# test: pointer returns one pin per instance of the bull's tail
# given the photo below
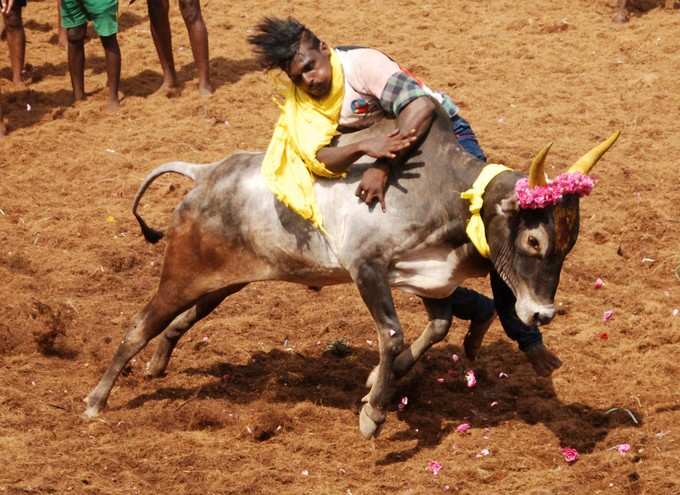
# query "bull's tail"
(183, 168)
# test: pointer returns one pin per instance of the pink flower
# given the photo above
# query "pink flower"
(470, 378)
(551, 193)
(463, 427)
(623, 448)
(599, 283)
(403, 403)
(608, 315)
(570, 455)
(434, 467)
(484, 453)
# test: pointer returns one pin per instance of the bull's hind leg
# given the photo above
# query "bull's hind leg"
(375, 291)
(181, 325)
(148, 323)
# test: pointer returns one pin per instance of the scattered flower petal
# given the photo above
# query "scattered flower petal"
(470, 378)
(484, 453)
(434, 467)
(455, 357)
(494, 403)
(623, 448)
(110, 219)
(570, 455)
(503, 374)
(393, 332)
(305, 472)
(675, 312)
(440, 380)
(463, 427)
(403, 403)
(28, 107)
(603, 336)
(608, 315)
(599, 283)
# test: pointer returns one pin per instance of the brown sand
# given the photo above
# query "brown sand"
(239, 413)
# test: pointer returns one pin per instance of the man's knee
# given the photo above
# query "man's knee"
(191, 10)
(13, 20)
(76, 34)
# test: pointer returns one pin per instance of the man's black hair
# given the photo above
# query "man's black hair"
(276, 41)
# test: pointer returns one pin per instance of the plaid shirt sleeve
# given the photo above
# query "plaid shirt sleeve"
(401, 89)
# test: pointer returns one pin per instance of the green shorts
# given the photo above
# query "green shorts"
(102, 13)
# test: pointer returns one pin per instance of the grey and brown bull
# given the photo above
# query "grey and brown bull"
(230, 230)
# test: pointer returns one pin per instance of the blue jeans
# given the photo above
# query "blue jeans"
(466, 137)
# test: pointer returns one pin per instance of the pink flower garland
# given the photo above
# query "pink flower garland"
(550, 194)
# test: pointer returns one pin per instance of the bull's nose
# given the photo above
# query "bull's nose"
(544, 316)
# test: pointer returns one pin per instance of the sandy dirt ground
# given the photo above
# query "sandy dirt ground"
(252, 402)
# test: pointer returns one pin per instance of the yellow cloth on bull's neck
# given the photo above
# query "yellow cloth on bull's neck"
(304, 127)
(475, 227)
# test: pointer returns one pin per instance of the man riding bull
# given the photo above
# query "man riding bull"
(366, 86)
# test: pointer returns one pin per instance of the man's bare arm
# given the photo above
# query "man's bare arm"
(416, 117)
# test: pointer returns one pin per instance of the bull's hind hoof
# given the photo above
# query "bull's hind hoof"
(93, 408)
(368, 426)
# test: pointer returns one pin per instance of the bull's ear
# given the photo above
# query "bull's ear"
(508, 206)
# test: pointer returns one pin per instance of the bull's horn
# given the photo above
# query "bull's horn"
(588, 161)
(537, 168)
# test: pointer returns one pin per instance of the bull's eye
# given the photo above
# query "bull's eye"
(533, 243)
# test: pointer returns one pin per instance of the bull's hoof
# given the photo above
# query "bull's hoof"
(154, 370)
(369, 427)
(94, 407)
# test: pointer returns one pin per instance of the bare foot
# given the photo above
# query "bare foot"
(205, 89)
(475, 335)
(621, 16)
(543, 360)
(169, 90)
(112, 105)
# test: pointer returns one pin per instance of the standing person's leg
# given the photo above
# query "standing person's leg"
(162, 39)
(76, 60)
(74, 21)
(63, 40)
(16, 40)
(106, 25)
(113, 62)
(3, 130)
(198, 36)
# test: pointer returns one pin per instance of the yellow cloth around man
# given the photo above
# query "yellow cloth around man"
(304, 127)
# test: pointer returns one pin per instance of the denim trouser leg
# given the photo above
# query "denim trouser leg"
(466, 137)
(504, 299)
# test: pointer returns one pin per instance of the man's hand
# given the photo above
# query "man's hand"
(373, 184)
(388, 146)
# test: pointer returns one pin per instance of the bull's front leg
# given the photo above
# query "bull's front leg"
(371, 280)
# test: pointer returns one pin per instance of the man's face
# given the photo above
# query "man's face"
(310, 69)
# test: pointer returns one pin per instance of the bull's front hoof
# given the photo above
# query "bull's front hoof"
(369, 427)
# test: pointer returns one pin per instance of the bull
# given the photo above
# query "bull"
(230, 230)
